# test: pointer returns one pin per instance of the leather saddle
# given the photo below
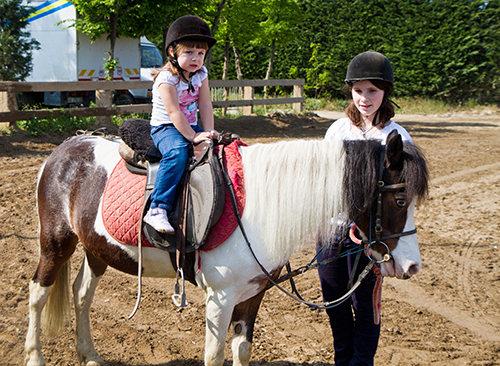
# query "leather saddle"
(200, 195)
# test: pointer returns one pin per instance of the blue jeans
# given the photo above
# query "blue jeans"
(174, 149)
(355, 337)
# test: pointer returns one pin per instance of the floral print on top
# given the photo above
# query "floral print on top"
(188, 100)
(188, 103)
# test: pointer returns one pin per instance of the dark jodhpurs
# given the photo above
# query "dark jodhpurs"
(355, 337)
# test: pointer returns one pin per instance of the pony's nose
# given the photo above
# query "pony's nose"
(412, 270)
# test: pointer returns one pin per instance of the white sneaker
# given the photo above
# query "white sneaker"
(157, 218)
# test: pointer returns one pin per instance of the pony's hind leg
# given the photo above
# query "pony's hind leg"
(49, 291)
(33, 347)
(84, 287)
(243, 321)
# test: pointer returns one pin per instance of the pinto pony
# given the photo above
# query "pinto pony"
(293, 190)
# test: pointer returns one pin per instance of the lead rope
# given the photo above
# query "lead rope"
(377, 290)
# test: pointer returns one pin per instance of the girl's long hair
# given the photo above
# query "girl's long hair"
(386, 110)
(174, 51)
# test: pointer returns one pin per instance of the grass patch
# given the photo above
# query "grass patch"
(67, 123)
(60, 124)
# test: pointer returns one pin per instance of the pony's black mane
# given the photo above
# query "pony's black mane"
(362, 169)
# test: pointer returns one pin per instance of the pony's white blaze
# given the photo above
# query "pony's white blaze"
(406, 256)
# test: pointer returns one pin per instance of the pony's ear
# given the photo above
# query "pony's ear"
(394, 151)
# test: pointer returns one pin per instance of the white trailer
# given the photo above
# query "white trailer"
(68, 55)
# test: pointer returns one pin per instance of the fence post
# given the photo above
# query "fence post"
(248, 95)
(8, 103)
(225, 97)
(298, 92)
(103, 99)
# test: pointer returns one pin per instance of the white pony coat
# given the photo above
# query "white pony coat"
(291, 194)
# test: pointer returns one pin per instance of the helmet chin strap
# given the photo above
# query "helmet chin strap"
(393, 102)
(174, 62)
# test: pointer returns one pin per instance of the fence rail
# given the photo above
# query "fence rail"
(10, 113)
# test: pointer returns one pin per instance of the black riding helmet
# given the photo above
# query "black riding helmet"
(187, 27)
(371, 65)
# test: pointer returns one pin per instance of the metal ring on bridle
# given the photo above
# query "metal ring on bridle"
(386, 256)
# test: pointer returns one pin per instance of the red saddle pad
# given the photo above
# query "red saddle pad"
(124, 194)
(121, 205)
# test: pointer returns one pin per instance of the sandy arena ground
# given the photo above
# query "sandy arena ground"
(448, 314)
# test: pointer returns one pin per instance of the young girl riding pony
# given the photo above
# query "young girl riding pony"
(180, 89)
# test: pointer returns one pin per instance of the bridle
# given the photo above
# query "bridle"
(381, 188)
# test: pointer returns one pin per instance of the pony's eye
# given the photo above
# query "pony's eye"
(400, 203)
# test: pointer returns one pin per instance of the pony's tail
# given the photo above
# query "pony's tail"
(56, 310)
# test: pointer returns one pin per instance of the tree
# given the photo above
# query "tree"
(15, 45)
(236, 27)
(115, 18)
(276, 28)
(448, 49)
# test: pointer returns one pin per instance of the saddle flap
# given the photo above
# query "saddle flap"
(206, 199)
(205, 203)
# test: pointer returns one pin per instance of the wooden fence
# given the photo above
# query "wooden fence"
(10, 113)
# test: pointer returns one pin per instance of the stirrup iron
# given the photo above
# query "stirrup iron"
(179, 298)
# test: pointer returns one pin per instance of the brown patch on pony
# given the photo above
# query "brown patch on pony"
(72, 175)
(247, 310)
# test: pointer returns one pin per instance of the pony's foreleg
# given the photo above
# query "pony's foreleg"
(84, 287)
(243, 321)
(33, 347)
(219, 308)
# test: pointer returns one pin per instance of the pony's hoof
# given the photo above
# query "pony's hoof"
(34, 358)
(95, 360)
(93, 363)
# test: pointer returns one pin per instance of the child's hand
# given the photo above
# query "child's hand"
(205, 136)
(213, 134)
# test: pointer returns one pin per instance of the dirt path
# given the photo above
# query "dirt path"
(448, 314)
